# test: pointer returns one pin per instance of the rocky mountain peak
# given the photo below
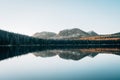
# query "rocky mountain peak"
(73, 32)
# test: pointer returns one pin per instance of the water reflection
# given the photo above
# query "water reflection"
(64, 53)
(77, 54)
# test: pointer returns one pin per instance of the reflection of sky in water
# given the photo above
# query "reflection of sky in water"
(103, 66)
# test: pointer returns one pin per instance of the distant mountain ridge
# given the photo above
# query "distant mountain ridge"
(78, 34)
(10, 39)
(73, 32)
(65, 34)
(44, 35)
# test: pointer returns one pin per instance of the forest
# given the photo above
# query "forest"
(10, 38)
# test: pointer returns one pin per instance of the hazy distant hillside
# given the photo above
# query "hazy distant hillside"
(75, 32)
(45, 35)
(65, 34)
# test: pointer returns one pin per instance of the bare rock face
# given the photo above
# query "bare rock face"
(44, 35)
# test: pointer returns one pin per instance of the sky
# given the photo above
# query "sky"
(31, 16)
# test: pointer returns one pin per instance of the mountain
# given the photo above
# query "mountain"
(10, 38)
(92, 33)
(44, 35)
(64, 34)
(75, 32)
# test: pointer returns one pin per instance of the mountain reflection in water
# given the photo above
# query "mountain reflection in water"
(64, 53)
(77, 54)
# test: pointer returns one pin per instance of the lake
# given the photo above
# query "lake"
(40, 63)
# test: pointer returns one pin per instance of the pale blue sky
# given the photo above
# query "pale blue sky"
(30, 16)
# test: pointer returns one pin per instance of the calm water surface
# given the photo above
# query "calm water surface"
(21, 63)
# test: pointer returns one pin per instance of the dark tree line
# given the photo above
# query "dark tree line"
(9, 38)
